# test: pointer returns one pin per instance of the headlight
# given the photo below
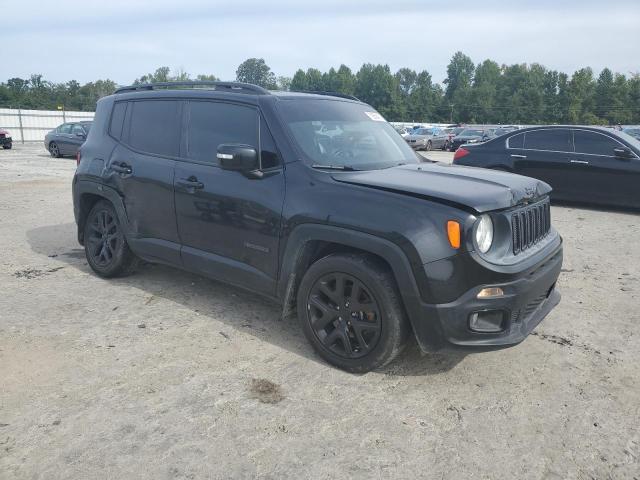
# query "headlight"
(484, 233)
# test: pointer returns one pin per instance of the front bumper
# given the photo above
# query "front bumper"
(528, 297)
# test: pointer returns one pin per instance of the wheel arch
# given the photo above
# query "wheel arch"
(310, 242)
(88, 194)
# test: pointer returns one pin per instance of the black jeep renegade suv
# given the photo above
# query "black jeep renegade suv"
(317, 202)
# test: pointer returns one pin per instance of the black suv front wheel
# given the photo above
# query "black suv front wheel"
(105, 245)
(350, 311)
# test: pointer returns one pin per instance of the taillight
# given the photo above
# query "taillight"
(461, 152)
(78, 158)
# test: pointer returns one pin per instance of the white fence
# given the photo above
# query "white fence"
(33, 125)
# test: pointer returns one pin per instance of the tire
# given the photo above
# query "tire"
(54, 150)
(105, 245)
(429, 146)
(369, 337)
(7, 146)
(445, 147)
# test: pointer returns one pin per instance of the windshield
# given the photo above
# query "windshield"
(337, 133)
(471, 133)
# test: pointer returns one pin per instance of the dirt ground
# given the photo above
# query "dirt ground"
(166, 375)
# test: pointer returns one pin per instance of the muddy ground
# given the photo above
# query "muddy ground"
(166, 375)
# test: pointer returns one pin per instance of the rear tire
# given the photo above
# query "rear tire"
(350, 310)
(7, 146)
(105, 245)
(429, 146)
(54, 150)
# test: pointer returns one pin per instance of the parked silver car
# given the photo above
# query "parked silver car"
(426, 139)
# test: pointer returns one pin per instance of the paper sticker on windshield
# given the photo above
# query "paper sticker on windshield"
(375, 116)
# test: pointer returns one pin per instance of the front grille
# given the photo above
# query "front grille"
(530, 225)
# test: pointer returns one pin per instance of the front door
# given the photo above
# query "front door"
(229, 224)
(601, 176)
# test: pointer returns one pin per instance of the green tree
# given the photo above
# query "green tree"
(377, 86)
(257, 72)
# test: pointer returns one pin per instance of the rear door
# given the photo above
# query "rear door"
(78, 136)
(141, 168)
(63, 138)
(229, 224)
(546, 155)
(599, 175)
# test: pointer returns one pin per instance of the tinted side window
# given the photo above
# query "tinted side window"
(65, 128)
(555, 139)
(268, 152)
(594, 143)
(77, 128)
(155, 126)
(117, 119)
(517, 141)
(212, 124)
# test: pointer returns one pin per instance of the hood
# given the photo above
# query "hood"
(472, 188)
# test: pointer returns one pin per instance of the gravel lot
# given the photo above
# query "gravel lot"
(168, 375)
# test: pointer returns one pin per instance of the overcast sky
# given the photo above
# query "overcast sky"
(122, 40)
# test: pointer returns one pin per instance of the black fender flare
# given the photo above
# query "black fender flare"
(82, 187)
(390, 252)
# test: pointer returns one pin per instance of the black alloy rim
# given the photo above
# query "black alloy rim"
(344, 315)
(54, 150)
(103, 238)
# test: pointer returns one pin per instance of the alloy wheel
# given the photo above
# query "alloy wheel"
(103, 238)
(344, 315)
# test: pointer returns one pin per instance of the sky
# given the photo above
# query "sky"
(122, 40)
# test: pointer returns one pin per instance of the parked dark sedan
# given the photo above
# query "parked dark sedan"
(585, 164)
(5, 139)
(66, 139)
(471, 135)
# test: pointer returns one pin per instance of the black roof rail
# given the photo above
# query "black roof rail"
(332, 94)
(229, 86)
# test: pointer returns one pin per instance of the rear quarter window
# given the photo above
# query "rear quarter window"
(517, 141)
(117, 119)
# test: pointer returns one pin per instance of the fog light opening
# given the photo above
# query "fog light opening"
(491, 321)
(490, 292)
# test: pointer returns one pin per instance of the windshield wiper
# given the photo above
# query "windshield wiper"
(345, 168)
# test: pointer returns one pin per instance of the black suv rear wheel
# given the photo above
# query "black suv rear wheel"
(350, 310)
(105, 245)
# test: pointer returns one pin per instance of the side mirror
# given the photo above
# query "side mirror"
(623, 153)
(81, 135)
(239, 158)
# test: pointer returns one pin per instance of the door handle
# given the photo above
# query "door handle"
(191, 182)
(521, 157)
(581, 162)
(121, 168)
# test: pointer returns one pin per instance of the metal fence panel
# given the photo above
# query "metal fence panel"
(33, 125)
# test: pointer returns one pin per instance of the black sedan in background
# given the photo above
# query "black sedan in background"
(67, 138)
(584, 164)
(471, 135)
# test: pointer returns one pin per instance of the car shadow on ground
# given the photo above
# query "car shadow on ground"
(239, 309)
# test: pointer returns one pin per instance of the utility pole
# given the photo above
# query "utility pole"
(451, 116)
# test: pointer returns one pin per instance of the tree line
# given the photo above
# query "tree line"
(472, 93)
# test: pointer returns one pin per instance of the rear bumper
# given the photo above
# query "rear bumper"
(528, 298)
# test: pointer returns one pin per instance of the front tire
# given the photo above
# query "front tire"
(54, 150)
(105, 245)
(350, 310)
(429, 146)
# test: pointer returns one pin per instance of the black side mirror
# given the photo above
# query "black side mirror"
(239, 158)
(623, 153)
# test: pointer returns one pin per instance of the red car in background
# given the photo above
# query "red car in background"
(5, 139)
